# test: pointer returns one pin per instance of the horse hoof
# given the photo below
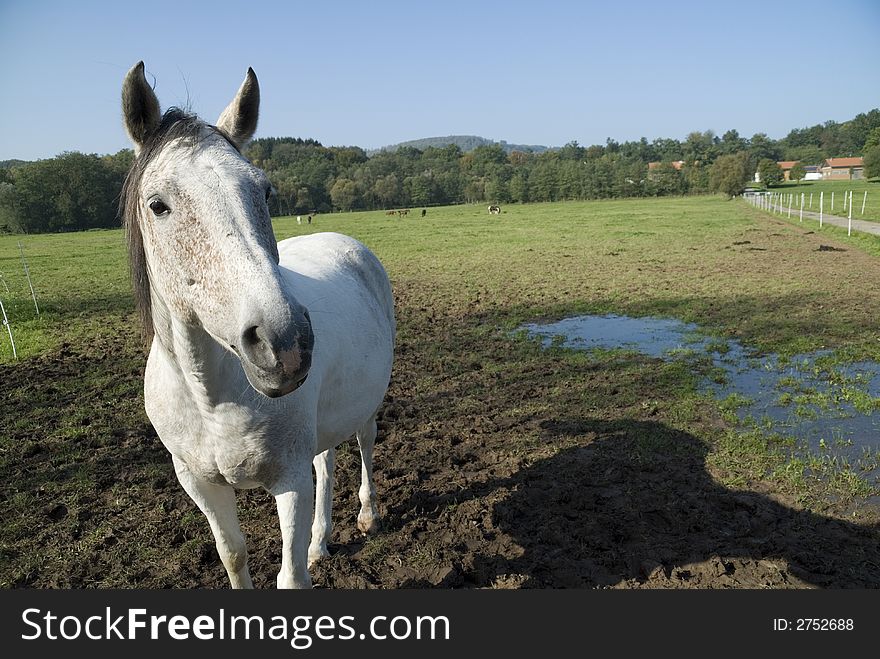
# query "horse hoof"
(368, 525)
(316, 556)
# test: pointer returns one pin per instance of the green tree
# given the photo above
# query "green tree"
(344, 194)
(872, 162)
(762, 147)
(570, 178)
(475, 190)
(347, 156)
(809, 154)
(873, 139)
(543, 182)
(286, 187)
(519, 187)
(665, 179)
(450, 187)
(8, 217)
(388, 190)
(70, 192)
(770, 172)
(729, 174)
(667, 150)
(797, 172)
(571, 151)
(731, 142)
(418, 189)
(697, 177)
(486, 159)
(304, 200)
(700, 147)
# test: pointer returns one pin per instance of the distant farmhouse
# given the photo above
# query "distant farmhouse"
(785, 166)
(840, 169)
(676, 164)
(833, 169)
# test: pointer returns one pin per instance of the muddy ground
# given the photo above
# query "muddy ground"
(495, 467)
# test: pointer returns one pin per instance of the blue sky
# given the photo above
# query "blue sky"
(372, 73)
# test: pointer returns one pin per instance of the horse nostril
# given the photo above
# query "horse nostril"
(250, 338)
(256, 347)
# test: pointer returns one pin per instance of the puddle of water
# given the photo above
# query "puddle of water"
(830, 409)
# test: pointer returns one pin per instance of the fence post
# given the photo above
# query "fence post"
(864, 199)
(849, 222)
(27, 273)
(821, 206)
(8, 329)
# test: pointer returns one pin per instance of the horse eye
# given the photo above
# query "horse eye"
(158, 207)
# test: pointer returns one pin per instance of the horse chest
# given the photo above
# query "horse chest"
(224, 443)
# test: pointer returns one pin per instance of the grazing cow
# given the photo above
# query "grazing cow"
(494, 210)
(424, 212)
(390, 212)
(403, 212)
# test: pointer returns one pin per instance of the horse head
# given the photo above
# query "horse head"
(201, 244)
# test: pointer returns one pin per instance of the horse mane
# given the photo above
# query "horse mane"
(175, 124)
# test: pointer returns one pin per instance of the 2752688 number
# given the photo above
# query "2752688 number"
(824, 624)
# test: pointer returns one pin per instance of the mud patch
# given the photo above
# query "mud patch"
(498, 465)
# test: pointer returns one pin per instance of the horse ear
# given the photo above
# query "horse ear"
(140, 107)
(239, 119)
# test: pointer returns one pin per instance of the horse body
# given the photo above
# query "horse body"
(347, 292)
(226, 432)
(264, 356)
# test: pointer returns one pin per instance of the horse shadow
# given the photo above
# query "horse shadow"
(636, 507)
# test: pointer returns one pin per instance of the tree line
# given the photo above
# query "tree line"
(71, 192)
(76, 191)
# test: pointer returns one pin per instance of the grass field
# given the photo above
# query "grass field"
(466, 389)
(858, 188)
(669, 257)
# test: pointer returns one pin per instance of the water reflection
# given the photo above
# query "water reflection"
(834, 408)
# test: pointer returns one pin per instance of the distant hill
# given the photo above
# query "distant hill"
(465, 143)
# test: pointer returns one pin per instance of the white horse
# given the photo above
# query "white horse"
(264, 356)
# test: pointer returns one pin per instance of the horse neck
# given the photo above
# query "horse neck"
(195, 353)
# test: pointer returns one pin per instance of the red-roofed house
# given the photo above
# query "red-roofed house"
(843, 169)
(677, 164)
(786, 166)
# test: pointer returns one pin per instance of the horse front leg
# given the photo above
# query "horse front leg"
(295, 494)
(217, 502)
(322, 525)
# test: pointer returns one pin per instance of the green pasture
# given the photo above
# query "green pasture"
(668, 257)
(80, 281)
(839, 188)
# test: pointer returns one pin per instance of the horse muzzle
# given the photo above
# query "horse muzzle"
(277, 363)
